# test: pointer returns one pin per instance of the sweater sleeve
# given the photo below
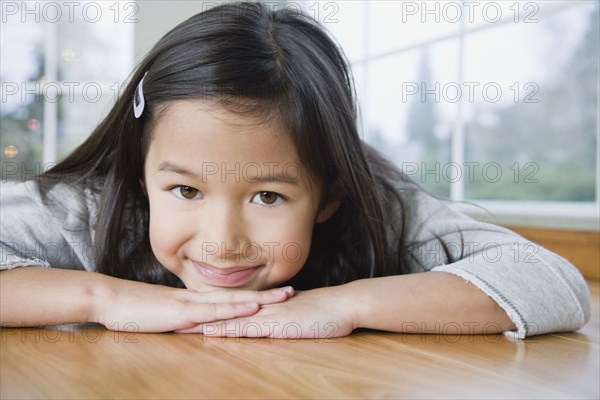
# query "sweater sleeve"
(49, 228)
(540, 291)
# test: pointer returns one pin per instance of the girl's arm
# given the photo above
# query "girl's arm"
(485, 292)
(431, 302)
(34, 296)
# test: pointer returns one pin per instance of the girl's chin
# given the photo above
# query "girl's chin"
(203, 287)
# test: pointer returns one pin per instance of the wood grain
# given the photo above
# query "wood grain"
(85, 362)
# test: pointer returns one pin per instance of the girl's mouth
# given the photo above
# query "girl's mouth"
(227, 277)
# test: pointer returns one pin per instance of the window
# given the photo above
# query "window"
(62, 67)
(492, 102)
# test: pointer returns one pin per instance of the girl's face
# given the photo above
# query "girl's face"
(230, 203)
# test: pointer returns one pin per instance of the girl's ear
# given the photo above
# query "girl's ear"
(327, 211)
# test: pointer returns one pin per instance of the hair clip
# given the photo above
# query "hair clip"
(138, 99)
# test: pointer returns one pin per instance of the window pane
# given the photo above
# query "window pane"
(22, 41)
(79, 115)
(97, 45)
(492, 12)
(408, 117)
(21, 110)
(21, 138)
(89, 46)
(344, 20)
(398, 24)
(95, 53)
(531, 131)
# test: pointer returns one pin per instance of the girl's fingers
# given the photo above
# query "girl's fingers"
(243, 296)
(208, 312)
(224, 305)
(195, 329)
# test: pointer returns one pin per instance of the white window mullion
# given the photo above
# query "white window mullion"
(50, 107)
(457, 150)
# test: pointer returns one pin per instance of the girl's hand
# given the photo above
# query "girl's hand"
(318, 313)
(141, 307)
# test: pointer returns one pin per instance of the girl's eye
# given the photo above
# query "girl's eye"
(267, 199)
(186, 193)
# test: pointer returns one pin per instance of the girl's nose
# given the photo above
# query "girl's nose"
(222, 234)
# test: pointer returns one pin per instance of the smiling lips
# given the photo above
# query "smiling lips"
(225, 276)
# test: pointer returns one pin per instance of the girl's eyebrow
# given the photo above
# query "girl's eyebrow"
(169, 167)
(277, 178)
(280, 177)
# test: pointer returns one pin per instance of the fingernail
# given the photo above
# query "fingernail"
(282, 290)
(250, 305)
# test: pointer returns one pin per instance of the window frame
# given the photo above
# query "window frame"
(581, 215)
(555, 214)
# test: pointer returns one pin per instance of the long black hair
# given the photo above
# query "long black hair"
(250, 59)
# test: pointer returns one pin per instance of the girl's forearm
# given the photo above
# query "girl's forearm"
(429, 302)
(36, 296)
(33, 296)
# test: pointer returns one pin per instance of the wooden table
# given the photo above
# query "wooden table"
(89, 362)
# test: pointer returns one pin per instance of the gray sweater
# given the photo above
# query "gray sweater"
(540, 291)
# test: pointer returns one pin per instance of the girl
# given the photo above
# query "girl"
(230, 173)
